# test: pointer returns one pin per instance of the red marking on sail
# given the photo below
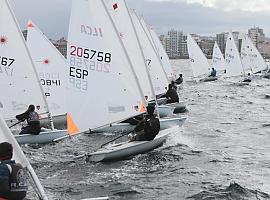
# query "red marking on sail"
(115, 6)
(121, 35)
(3, 40)
(30, 25)
(46, 61)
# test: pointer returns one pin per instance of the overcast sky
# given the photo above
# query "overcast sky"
(205, 17)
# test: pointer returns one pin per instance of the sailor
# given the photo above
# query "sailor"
(174, 85)
(247, 78)
(171, 95)
(213, 73)
(148, 127)
(179, 80)
(33, 122)
(13, 184)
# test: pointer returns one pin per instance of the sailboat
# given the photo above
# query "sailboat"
(120, 16)
(94, 39)
(19, 79)
(233, 61)
(51, 66)
(252, 60)
(218, 61)
(154, 62)
(198, 62)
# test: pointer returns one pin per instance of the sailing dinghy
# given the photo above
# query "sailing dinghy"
(181, 106)
(252, 60)
(19, 79)
(125, 97)
(156, 69)
(233, 61)
(51, 66)
(128, 35)
(119, 151)
(218, 61)
(198, 62)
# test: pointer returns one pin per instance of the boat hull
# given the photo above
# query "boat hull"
(208, 79)
(241, 83)
(165, 111)
(124, 150)
(126, 127)
(267, 75)
(179, 107)
(42, 138)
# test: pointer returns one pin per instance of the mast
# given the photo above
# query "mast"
(36, 75)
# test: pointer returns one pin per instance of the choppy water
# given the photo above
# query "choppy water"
(222, 152)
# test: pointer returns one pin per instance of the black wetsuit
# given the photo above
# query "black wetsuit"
(147, 129)
(172, 96)
(32, 121)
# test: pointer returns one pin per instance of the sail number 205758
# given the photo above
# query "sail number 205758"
(90, 54)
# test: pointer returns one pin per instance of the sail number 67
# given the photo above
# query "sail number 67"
(6, 61)
(90, 54)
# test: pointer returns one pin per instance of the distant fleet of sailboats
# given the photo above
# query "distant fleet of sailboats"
(248, 61)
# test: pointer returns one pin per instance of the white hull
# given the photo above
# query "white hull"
(165, 111)
(43, 138)
(179, 107)
(126, 127)
(126, 149)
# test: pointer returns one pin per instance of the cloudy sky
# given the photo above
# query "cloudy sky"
(206, 17)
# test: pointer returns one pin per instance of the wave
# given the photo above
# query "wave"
(233, 192)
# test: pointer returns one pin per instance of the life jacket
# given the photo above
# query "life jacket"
(34, 123)
(151, 128)
(33, 116)
(17, 183)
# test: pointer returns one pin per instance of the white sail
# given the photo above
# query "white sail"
(252, 60)
(218, 61)
(18, 155)
(19, 83)
(121, 18)
(102, 87)
(51, 66)
(158, 77)
(232, 58)
(197, 59)
(162, 54)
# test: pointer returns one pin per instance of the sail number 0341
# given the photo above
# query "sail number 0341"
(90, 54)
